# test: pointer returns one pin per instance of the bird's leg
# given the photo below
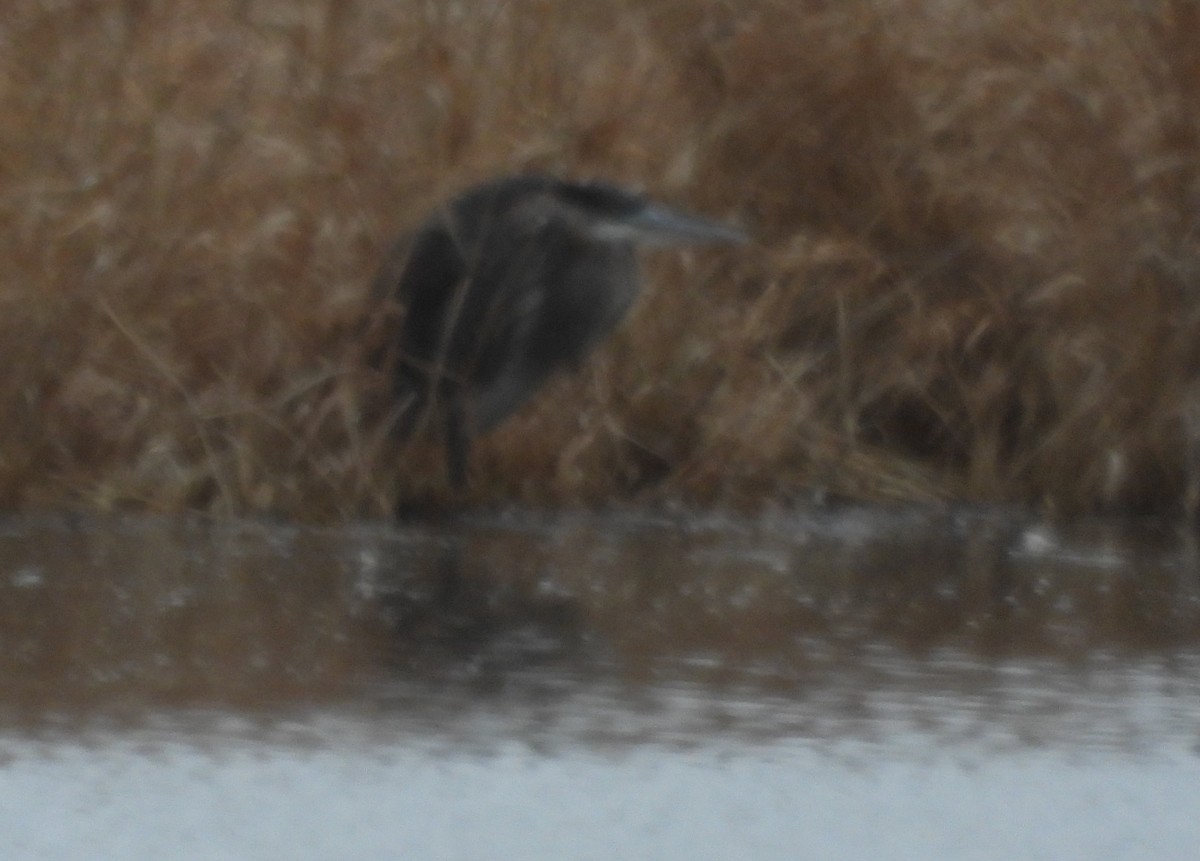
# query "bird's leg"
(458, 442)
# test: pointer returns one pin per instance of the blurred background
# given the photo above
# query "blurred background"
(974, 276)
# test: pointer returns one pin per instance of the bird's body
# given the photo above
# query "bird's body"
(508, 283)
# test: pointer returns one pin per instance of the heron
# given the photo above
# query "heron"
(507, 284)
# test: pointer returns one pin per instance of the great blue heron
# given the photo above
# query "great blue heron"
(506, 284)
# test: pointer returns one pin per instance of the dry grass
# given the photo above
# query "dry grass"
(977, 273)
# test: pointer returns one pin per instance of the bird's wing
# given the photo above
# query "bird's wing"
(505, 302)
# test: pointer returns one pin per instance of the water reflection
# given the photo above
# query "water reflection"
(603, 629)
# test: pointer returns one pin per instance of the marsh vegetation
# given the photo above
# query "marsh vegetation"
(975, 275)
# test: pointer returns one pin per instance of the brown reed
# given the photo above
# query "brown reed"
(975, 278)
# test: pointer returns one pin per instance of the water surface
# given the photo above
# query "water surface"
(584, 685)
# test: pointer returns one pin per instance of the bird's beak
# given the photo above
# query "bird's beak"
(661, 225)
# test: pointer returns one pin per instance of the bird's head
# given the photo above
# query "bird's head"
(607, 213)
